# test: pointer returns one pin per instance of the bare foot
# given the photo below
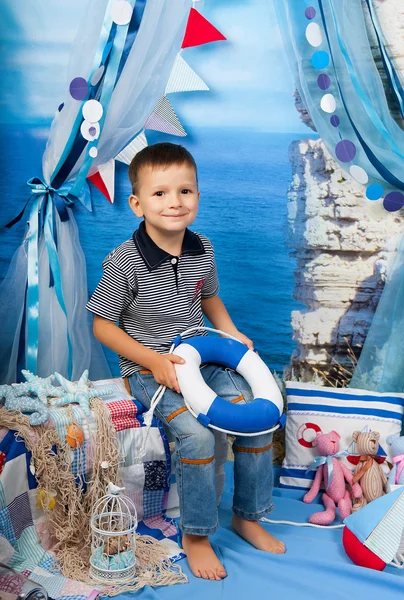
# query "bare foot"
(202, 560)
(254, 533)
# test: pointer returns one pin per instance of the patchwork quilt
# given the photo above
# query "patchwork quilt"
(25, 544)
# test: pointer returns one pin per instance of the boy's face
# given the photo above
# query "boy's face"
(167, 198)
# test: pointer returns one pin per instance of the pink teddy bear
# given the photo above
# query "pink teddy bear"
(336, 492)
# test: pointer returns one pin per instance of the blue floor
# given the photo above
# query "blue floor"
(314, 565)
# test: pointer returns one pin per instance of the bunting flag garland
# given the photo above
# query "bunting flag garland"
(199, 31)
(126, 155)
(184, 79)
(104, 180)
(164, 119)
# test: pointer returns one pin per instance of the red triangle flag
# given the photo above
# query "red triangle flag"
(199, 31)
(104, 179)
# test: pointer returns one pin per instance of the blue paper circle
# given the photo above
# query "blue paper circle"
(393, 201)
(320, 59)
(374, 191)
(334, 120)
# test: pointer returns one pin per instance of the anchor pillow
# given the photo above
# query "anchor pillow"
(313, 409)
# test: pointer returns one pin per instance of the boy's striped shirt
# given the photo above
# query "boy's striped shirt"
(152, 295)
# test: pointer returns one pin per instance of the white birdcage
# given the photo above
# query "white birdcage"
(113, 526)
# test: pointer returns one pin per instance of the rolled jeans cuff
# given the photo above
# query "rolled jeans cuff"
(256, 516)
(198, 530)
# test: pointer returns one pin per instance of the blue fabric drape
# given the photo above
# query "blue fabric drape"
(43, 297)
(381, 364)
(328, 47)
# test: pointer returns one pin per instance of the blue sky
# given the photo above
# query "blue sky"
(251, 85)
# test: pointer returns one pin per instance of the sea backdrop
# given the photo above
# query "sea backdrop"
(243, 179)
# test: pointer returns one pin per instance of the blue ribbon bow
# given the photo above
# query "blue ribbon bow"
(321, 460)
(59, 197)
(45, 199)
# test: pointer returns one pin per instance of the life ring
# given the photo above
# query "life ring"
(263, 414)
(301, 431)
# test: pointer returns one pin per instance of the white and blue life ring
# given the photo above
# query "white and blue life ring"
(262, 415)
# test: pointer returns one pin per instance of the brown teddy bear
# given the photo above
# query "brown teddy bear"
(368, 472)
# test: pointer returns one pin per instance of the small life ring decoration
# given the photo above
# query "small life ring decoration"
(301, 431)
(262, 415)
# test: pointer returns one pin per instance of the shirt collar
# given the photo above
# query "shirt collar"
(154, 256)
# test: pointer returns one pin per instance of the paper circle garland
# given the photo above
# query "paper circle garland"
(323, 81)
(92, 111)
(328, 103)
(78, 88)
(310, 12)
(90, 131)
(121, 12)
(374, 191)
(359, 174)
(314, 35)
(345, 151)
(334, 120)
(97, 75)
(320, 60)
(393, 201)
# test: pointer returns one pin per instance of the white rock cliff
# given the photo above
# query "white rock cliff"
(343, 243)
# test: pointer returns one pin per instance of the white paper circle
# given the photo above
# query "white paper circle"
(359, 174)
(97, 75)
(314, 35)
(121, 12)
(328, 103)
(85, 130)
(93, 152)
(92, 111)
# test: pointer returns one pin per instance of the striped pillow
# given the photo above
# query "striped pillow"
(314, 409)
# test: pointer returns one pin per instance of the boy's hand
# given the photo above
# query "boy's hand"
(163, 370)
(244, 339)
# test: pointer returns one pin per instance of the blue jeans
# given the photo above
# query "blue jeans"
(195, 445)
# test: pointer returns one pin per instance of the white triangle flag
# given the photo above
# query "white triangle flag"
(184, 79)
(132, 149)
(163, 118)
(104, 179)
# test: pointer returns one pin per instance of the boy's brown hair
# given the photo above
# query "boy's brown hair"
(160, 155)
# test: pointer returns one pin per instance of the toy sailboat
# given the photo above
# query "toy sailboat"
(373, 537)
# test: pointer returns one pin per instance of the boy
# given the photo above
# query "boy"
(156, 285)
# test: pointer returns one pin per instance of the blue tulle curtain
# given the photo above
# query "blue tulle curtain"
(119, 67)
(381, 364)
(328, 43)
(328, 46)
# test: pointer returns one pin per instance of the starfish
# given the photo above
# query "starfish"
(41, 387)
(11, 398)
(80, 392)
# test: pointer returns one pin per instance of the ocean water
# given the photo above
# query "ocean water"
(243, 179)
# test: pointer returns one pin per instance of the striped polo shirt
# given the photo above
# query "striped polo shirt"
(152, 295)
